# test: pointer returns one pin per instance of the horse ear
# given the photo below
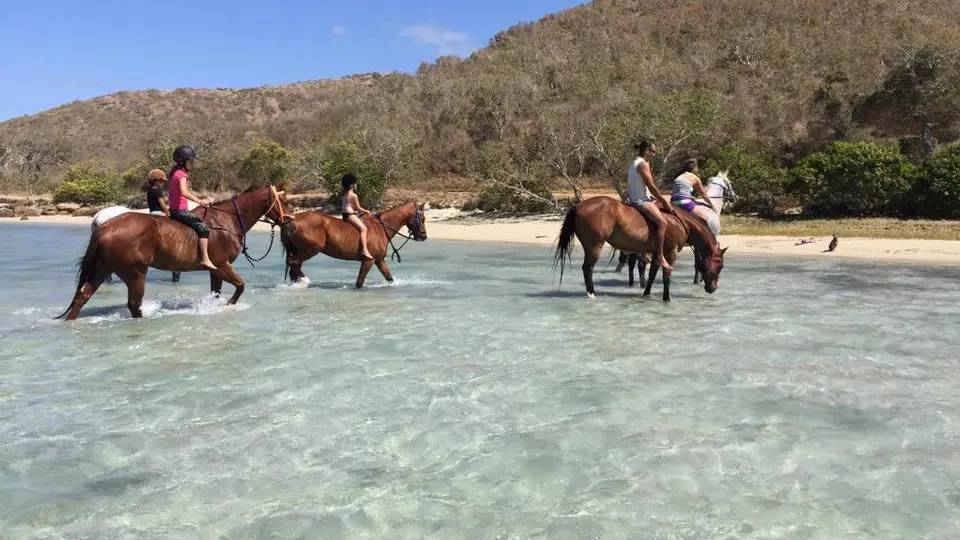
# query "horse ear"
(724, 250)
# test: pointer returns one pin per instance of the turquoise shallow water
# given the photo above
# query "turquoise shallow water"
(475, 399)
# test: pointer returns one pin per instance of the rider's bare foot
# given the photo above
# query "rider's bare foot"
(208, 265)
(665, 264)
(368, 256)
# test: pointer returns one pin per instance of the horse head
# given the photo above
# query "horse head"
(277, 213)
(710, 268)
(722, 179)
(417, 224)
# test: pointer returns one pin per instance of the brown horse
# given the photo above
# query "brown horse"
(130, 243)
(317, 232)
(601, 220)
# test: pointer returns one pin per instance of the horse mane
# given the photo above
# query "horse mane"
(697, 223)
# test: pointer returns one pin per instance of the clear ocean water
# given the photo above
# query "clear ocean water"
(475, 398)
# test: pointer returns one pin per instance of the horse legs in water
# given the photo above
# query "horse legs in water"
(176, 278)
(590, 259)
(634, 260)
(365, 267)
(654, 267)
(620, 264)
(86, 291)
(225, 272)
(696, 267)
(135, 277)
(382, 266)
(216, 283)
(295, 271)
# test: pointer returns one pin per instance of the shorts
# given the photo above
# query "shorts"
(687, 204)
(157, 213)
(192, 221)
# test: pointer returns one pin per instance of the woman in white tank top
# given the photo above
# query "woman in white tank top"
(641, 193)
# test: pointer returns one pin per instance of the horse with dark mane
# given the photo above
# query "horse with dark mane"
(601, 220)
(316, 232)
(130, 243)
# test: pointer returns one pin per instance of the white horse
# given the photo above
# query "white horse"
(718, 188)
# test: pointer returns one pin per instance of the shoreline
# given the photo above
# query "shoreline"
(543, 232)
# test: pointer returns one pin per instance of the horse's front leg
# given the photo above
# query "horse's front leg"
(671, 258)
(226, 272)
(654, 266)
(382, 267)
(641, 270)
(696, 267)
(631, 266)
(365, 267)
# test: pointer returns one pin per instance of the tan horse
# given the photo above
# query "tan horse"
(317, 232)
(132, 242)
(600, 220)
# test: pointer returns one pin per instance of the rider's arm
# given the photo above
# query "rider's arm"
(185, 191)
(164, 206)
(644, 169)
(355, 199)
(698, 185)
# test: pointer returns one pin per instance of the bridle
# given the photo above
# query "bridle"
(413, 224)
(286, 220)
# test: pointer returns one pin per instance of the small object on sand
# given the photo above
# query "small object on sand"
(541, 236)
(24, 218)
(833, 244)
(805, 241)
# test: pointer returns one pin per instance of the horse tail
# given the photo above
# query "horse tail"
(89, 267)
(288, 249)
(564, 240)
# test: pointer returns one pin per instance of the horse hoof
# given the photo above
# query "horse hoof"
(591, 296)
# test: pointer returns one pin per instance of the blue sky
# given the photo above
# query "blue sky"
(55, 51)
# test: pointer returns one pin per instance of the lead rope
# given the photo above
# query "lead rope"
(396, 251)
(243, 236)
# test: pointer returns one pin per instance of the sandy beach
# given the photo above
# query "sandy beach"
(446, 225)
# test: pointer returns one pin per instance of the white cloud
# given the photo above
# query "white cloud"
(446, 41)
(338, 30)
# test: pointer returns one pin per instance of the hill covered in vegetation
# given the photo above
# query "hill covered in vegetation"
(557, 102)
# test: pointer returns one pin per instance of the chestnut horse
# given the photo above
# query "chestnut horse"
(132, 242)
(316, 232)
(600, 220)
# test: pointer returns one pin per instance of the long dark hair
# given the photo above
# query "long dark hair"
(178, 167)
(346, 181)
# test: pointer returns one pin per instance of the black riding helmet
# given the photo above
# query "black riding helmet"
(182, 154)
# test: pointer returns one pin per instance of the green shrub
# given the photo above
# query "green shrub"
(852, 179)
(936, 187)
(760, 185)
(345, 157)
(88, 183)
(266, 162)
